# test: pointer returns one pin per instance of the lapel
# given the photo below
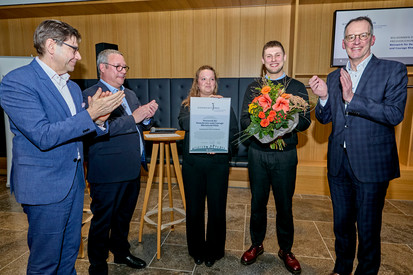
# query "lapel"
(119, 111)
(340, 100)
(77, 97)
(45, 79)
(361, 87)
(361, 90)
(131, 103)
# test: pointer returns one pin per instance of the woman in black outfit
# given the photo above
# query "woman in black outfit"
(205, 176)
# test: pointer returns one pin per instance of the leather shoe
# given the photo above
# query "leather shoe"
(209, 263)
(290, 262)
(198, 261)
(130, 261)
(251, 255)
(98, 269)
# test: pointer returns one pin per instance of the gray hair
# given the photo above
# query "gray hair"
(103, 56)
(358, 19)
(53, 29)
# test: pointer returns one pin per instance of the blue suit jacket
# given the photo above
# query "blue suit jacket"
(47, 137)
(367, 125)
(115, 157)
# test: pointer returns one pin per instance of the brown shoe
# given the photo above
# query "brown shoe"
(251, 255)
(290, 262)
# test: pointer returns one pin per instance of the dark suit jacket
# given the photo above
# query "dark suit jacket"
(115, 157)
(47, 137)
(367, 125)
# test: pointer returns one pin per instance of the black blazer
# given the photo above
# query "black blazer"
(115, 157)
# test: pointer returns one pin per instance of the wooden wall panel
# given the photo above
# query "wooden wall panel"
(159, 52)
(137, 44)
(205, 38)
(228, 42)
(315, 30)
(173, 44)
(277, 27)
(182, 44)
(404, 132)
(252, 40)
(19, 39)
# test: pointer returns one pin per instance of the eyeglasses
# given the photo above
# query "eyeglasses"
(75, 49)
(119, 68)
(362, 36)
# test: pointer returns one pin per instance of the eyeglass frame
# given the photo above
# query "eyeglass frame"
(126, 68)
(74, 48)
(355, 36)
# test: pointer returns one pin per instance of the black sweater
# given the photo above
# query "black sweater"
(293, 87)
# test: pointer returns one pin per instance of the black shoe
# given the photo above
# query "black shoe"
(198, 261)
(130, 261)
(98, 269)
(209, 263)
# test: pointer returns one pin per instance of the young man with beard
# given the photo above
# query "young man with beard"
(271, 168)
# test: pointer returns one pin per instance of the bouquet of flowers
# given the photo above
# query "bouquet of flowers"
(273, 114)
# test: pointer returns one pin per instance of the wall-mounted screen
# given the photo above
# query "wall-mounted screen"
(393, 28)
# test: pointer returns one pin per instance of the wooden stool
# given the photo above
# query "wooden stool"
(159, 142)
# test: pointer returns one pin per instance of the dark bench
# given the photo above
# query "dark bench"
(169, 94)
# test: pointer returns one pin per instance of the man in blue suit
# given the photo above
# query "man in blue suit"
(364, 101)
(114, 163)
(48, 120)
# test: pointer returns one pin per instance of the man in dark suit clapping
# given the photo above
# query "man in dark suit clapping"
(114, 168)
(364, 101)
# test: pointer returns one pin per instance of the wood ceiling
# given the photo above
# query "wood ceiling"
(123, 6)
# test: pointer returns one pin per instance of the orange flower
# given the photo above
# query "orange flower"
(264, 122)
(255, 99)
(271, 115)
(261, 115)
(281, 104)
(286, 96)
(265, 90)
(265, 102)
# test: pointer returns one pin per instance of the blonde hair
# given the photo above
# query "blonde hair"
(194, 91)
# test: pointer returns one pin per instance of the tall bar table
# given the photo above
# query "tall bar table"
(164, 144)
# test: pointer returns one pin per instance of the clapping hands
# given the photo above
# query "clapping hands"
(145, 111)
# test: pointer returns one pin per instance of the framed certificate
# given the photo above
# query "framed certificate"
(209, 124)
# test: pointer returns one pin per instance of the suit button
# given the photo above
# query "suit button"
(74, 160)
(345, 126)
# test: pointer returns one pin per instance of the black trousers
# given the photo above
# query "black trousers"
(112, 206)
(206, 179)
(361, 203)
(275, 169)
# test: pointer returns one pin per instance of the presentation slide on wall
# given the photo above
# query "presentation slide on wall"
(393, 29)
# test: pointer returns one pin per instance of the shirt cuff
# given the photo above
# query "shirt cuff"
(146, 121)
(323, 101)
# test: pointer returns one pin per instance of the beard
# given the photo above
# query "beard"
(273, 71)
